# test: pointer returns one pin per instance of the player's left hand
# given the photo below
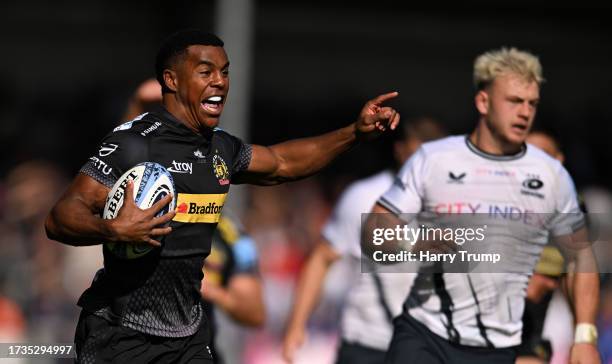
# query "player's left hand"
(584, 354)
(376, 118)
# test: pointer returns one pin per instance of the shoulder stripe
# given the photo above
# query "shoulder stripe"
(389, 206)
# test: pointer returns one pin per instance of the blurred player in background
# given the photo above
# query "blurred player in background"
(374, 299)
(231, 279)
(477, 318)
(150, 309)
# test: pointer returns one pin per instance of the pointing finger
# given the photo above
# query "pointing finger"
(384, 97)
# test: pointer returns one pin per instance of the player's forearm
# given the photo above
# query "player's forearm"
(242, 300)
(71, 222)
(301, 158)
(585, 292)
(249, 312)
(309, 287)
(585, 285)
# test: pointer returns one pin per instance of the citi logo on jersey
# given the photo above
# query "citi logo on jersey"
(181, 167)
(194, 208)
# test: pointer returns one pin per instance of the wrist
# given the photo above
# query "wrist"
(109, 231)
(353, 132)
(585, 333)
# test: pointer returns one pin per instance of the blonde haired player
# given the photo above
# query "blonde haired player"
(477, 318)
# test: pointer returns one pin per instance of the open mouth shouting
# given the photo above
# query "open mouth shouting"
(213, 105)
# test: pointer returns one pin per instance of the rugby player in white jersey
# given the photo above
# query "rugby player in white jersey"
(476, 317)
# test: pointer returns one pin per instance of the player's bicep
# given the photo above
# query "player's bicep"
(87, 191)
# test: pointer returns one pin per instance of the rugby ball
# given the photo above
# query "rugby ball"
(152, 182)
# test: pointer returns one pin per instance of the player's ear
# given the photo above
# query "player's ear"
(482, 102)
(170, 79)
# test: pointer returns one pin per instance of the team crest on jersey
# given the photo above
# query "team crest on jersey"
(531, 186)
(220, 168)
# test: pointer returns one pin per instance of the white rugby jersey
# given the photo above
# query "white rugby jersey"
(452, 175)
(364, 320)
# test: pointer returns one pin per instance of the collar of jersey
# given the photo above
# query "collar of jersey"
(170, 120)
(496, 157)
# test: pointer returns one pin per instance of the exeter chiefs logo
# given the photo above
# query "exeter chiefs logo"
(221, 171)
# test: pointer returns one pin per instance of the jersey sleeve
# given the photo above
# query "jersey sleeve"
(245, 256)
(241, 154)
(568, 216)
(406, 194)
(118, 152)
(342, 230)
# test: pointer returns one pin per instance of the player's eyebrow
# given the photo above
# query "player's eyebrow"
(211, 64)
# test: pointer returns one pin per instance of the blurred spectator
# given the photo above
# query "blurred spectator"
(12, 322)
(147, 97)
(285, 221)
(31, 267)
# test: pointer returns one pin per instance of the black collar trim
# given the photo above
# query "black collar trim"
(170, 119)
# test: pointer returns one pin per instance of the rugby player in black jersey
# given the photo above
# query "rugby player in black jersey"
(149, 309)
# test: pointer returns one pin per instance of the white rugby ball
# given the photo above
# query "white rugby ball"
(152, 182)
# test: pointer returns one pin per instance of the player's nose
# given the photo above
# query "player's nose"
(218, 80)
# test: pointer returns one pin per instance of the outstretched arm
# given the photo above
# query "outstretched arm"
(307, 296)
(74, 220)
(301, 158)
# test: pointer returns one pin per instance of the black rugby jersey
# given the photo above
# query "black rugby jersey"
(159, 293)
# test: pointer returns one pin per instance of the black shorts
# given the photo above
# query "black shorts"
(358, 354)
(98, 341)
(413, 342)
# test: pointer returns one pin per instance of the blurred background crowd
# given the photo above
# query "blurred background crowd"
(70, 71)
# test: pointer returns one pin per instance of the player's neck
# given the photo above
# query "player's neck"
(485, 140)
(181, 114)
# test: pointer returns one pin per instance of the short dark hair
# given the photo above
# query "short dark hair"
(422, 128)
(176, 45)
